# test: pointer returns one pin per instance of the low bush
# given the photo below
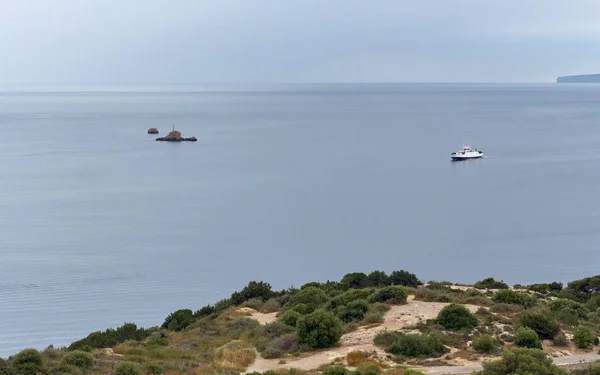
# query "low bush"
(273, 330)
(484, 344)
(254, 303)
(270, 306)
(127, 368)
(312, 297)
(353, 311)
(319, 329)
(419, 345)
(390, 294)
(539, 288)
(506, 308)
(478, 300)
(335, 370)
(431, 295)
(154, 369)
(283, 344)
(522, 361)
(349, 296)
(456, 317)
(386, 338)
(380, 307)
(373, 317)
(560, 340)
(544, 326)
(490, 283)
(79, 359)
(290, 317)
(584, 337)
(237, 326)
(527, 338)
(515, 298)
(595, 369)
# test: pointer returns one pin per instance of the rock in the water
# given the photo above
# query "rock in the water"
(152, 131)
(175, 136)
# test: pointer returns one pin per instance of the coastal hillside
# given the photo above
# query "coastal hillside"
(583, 78)
(364, 324)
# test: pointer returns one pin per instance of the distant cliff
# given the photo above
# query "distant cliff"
(583, 78)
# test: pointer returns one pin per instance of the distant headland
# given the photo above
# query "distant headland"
(582, 78)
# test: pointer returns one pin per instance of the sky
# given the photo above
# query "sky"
(269, 41)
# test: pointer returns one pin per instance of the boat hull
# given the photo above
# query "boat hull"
(473, 155)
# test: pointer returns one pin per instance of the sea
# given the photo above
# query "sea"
(290, 183)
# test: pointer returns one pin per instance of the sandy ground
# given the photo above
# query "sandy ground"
(262, 318)
(397, 318)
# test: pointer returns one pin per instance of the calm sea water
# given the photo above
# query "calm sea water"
(100, 224)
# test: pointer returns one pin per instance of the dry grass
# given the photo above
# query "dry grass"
(361, 359)
(235, 356)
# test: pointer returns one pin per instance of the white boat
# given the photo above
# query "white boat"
(466, 153)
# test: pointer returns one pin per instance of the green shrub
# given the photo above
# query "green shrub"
(527, 338)
(582, 290)
(179, 320)
(274, 329)
(378, 279)
(335, 370)
(287, 343)
(506, 308)
(354, 280)
(404, 278)
(544, 326)
(456, 317)
(385, 338)
(515, 298)
(270, 306)
(302, 309)
(522, 361)
(127, 368)
(79, 359)
(154, 369)
(319, 329)
(484, 344)
(391, 294)
(539, 288)
(110, 337)
(353, 311)
(290, 317)
(595, 369)
(28, 362)
(555, 286)
(560, 340)
(312, 297)
(490, 283)
(568, 311)
(432, 295)
(349, 296)
(584, 337)
(254, 289)
(237, 326)
(419, 345)
(562, 304)
(373, 317)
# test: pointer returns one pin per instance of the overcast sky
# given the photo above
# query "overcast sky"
(198, 41)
